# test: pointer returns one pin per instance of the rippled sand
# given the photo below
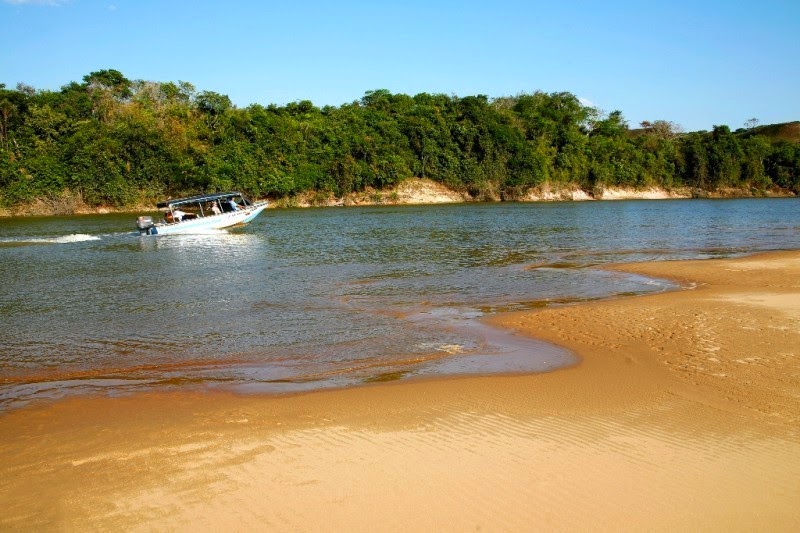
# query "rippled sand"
(683, 414)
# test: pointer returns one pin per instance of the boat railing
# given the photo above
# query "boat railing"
(170, 218)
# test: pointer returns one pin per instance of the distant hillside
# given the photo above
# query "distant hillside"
(788, 131)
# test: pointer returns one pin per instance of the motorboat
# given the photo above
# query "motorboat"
(196, 214)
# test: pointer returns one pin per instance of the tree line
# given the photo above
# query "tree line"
(118, 142)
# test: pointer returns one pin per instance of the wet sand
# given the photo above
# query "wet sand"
(684, 413)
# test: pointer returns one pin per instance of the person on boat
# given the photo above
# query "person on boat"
(233, 205)
(215, 208)
(177, 215)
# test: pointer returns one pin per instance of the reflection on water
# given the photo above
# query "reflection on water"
(302, 299)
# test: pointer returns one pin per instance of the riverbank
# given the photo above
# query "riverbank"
(683, 414)
(416, 191)
(412, 191)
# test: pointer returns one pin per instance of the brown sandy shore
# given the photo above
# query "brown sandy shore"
(684, 414)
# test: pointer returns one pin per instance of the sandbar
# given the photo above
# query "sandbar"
(682, 414)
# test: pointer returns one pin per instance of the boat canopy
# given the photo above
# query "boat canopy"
(201, 198)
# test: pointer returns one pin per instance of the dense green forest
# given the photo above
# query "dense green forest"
(116, 142)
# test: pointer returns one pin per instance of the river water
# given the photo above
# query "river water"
(310, 298)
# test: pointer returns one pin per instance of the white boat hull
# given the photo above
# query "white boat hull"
(212, 222)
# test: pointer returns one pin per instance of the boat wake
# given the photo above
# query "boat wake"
(63, 239)
(75, 237)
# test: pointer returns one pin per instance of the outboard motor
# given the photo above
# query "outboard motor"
(145, 226)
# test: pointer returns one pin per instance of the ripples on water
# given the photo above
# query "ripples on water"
(303, 299)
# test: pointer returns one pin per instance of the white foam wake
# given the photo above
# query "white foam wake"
(64, 239)
(76, 237)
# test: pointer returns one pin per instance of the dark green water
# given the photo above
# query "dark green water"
(304, 299)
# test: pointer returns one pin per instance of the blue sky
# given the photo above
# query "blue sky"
(697, 63)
